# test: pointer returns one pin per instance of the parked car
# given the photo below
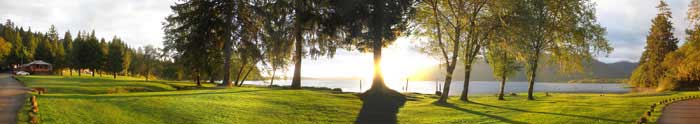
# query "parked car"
(21, 73)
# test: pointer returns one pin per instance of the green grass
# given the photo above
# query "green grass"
(265, 105)
(100, 85)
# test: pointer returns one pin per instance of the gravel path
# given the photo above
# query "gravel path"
(12, 96)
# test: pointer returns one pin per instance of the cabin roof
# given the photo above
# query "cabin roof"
(37, 62)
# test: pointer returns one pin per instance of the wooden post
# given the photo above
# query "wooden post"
(407, 85)
(360, 86)
(35, 106)
(33, 119)
(648, 113)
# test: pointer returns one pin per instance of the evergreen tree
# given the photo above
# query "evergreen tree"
(78, 60)
(91, 53)
(31, 43)
(102, 56)
(683, 65)
(195, 32)
(115, 57)
(660, 42)
(68, 47)
(58, 51)
(371, 25)
(43, 51)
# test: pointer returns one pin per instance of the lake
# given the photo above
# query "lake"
(475, 87)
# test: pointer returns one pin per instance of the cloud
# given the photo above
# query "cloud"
(629, 21)
(138, 22)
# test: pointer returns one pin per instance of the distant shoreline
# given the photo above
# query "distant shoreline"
(598, 81)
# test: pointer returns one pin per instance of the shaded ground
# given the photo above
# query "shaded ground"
(12, 96)
(682, 112)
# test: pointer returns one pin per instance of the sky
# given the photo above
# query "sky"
(139, 23)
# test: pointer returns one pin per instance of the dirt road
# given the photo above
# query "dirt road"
(12, 96)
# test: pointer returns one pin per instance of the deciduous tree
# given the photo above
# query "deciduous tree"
(565, 31)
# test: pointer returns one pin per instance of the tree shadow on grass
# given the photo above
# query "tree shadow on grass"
(550, 113)
(380, 106)
(502, 119)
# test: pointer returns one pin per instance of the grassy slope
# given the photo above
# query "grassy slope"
(89, 85)
(264, 105)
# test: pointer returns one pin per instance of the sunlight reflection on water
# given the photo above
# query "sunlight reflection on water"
(475, 87)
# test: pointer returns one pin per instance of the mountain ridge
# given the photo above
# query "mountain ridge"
(481, 71)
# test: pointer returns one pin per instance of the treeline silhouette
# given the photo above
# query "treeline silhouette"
(84, 52)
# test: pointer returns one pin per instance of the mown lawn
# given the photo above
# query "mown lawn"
(164, 104)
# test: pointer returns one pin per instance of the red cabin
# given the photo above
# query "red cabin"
(37, 67)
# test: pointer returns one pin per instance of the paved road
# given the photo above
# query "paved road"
(12, 96)
(682, 112)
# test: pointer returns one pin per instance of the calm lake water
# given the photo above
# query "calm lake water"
(475, 87)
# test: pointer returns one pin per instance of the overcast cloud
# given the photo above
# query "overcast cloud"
(138, 22)
(628, 22)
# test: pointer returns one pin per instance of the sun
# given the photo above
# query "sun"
(396, 68)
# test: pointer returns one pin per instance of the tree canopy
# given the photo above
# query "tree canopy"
(565, 31)
(660, 42)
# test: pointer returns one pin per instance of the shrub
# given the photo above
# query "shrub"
(116, 90)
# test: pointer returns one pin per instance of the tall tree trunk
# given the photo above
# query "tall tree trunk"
(378, 80)
(228, 50)
(240, 71)
(533, 74)
(446, 86)
(450, 68)
(246, 76)
(503, 86)
(448, 80)
(272, 80)
(379, 104)
(199, 83)
(467, 76)
(114, 74)
(70, 70)
(147, 72)
(79, 72)
(296, 80)
(227, 63)
(93, 72)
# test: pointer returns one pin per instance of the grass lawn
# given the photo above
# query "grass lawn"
(73, 100)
